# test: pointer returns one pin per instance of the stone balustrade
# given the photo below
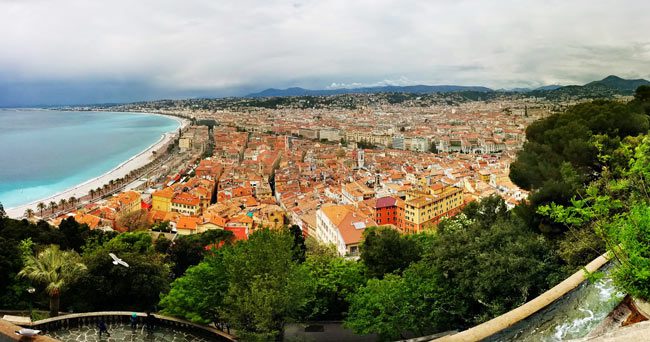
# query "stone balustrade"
(123, 317)
(8, 334)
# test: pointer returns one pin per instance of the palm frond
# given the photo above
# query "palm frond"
(53, 268)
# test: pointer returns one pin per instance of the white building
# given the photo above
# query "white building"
(342, 226)
(398, 142)
(330, 134)
(361, 159)
(419, 144)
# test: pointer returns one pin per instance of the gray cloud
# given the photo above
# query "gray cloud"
(172, 48)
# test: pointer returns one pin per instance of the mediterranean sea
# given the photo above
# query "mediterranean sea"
(43, 152)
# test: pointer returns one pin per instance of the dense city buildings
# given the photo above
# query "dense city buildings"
(331, 170)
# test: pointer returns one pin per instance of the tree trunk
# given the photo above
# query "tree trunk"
(54, 305)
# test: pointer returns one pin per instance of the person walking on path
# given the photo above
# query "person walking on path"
(101, 325)
(149, 322)
(134, 321)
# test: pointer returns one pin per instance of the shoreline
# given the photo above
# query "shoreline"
(81, 190)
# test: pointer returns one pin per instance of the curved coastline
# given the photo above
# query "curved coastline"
(80, 190)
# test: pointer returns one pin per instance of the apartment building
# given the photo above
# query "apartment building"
(422, 209)
(342, 226)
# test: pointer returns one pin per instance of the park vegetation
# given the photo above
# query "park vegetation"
(615, 207)
(400, 287)
(478, 265)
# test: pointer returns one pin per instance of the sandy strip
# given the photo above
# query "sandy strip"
(141, 159)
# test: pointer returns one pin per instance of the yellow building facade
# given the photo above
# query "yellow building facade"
(425, 208)
(162, 200)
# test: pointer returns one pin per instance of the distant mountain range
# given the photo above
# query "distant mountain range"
(416, 89)
(618, 83)
(608, 86)
(549, 87)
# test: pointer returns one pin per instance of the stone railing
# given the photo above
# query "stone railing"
(509, 318)
(124, 317)
(8, 334)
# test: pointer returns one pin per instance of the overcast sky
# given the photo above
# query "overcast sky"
(85, 51)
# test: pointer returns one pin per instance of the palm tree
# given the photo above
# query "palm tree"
(52, 206)
(41, 206)
(92, 193)
(72, 200)
(29, 213)
(56, 270)
(62, 203)
(98, 190)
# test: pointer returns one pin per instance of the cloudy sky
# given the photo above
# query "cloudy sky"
(86, 51)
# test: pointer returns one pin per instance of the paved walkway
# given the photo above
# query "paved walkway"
(635, 332)
(123, 332)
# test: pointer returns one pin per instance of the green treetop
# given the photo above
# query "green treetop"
(54, 269)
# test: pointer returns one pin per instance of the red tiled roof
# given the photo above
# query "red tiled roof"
(385, 202)
(240, 233)
(145, 205)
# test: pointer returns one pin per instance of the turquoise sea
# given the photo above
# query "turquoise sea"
(43, 152)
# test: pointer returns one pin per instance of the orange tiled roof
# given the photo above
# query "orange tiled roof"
(171, 216)
(336, 213)
(350, 222)
(166, 193)
(201, 192)
(186, 198)
(128, 197)
(216, 220)
(250, 201)
(187, 222)
(91, 220)
(156, 215)
(242, 219)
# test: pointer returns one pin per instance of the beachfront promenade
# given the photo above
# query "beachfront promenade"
(132, 184)
(141, 161)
